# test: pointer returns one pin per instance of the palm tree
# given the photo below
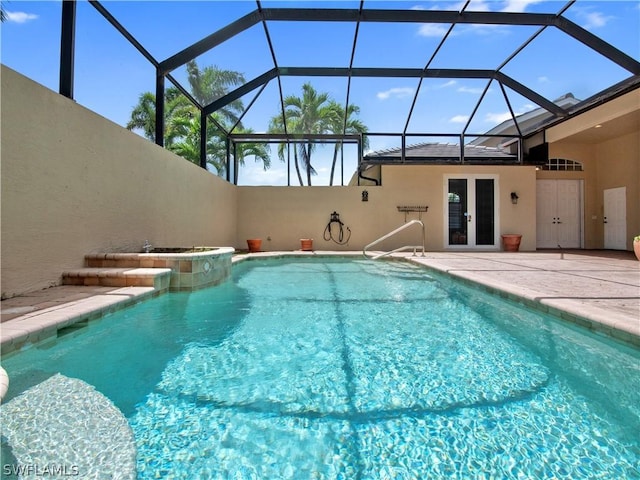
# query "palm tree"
(259, 151)
(211, 83)
(353, 125)
(143, 115)
(313, 113)
(183, 138)
(276, 125)
(182, 118)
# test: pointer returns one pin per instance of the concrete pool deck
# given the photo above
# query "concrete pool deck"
(597, 289)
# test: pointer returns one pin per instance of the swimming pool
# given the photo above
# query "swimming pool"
(336, 368)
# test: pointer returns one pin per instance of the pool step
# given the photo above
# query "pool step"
(159, 278)
(122, 260)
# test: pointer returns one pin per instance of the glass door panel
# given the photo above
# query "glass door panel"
(485, 212)
(457, 211)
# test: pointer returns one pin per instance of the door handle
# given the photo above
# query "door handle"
(468, 218)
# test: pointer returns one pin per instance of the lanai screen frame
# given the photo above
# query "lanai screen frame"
(357, 16)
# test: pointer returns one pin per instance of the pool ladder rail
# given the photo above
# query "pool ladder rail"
(400, 249)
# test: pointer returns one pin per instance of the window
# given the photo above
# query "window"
(562, 164)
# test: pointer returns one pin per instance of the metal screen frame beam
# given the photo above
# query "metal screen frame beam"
(123, 31)
(406, 16)
(210, 42)
(294, 138)
(159, 109)
(597, 44)
(67, 48)
(531, 95)
(394, 16)
(387, 72)
(243, 90)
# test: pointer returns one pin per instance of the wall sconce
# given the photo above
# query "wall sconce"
(514, 198)
(365, 196)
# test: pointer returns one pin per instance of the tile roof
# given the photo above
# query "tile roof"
(441, 152)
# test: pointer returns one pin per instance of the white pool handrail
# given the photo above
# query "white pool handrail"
(390, 234)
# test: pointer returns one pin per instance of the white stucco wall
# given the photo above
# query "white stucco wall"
(75, 183)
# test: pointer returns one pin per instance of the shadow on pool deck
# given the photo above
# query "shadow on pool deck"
(599, 289)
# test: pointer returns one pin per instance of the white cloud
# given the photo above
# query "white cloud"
(459, 119)
(497, 118)
(20, 17)
(478, 6)
(487, 29)
(450, 83)
(432, 30)
(470, 90)
(253, 174)
(450, 5)
(543, 79)
(593, 20)
(518, 6)
(398, 92)
(514, 6)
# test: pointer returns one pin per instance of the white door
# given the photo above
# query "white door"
(569, 213)
(615, 218)
(471, 214)
(546, 206)
(558, 213)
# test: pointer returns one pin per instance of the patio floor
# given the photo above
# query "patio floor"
(597, 289)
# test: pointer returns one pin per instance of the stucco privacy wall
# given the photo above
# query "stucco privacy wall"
(286, 214)
(75, 183)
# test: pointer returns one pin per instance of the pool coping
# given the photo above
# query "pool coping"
(43, 324)
(574, 309)
(610, 325)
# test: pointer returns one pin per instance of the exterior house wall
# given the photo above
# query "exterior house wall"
(592, 220)
(286, 214)
(607, 164)
(619, 166)
(74, 183)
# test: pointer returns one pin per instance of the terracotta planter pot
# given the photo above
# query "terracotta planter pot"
(636, 249)
(511, 242)
(306, 244)
(254, 244)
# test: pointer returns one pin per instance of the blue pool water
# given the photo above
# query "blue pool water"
(335, 368)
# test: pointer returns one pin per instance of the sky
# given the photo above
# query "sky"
(110, 74)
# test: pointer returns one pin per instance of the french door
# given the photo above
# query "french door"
(558, 213)
(471, 211)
